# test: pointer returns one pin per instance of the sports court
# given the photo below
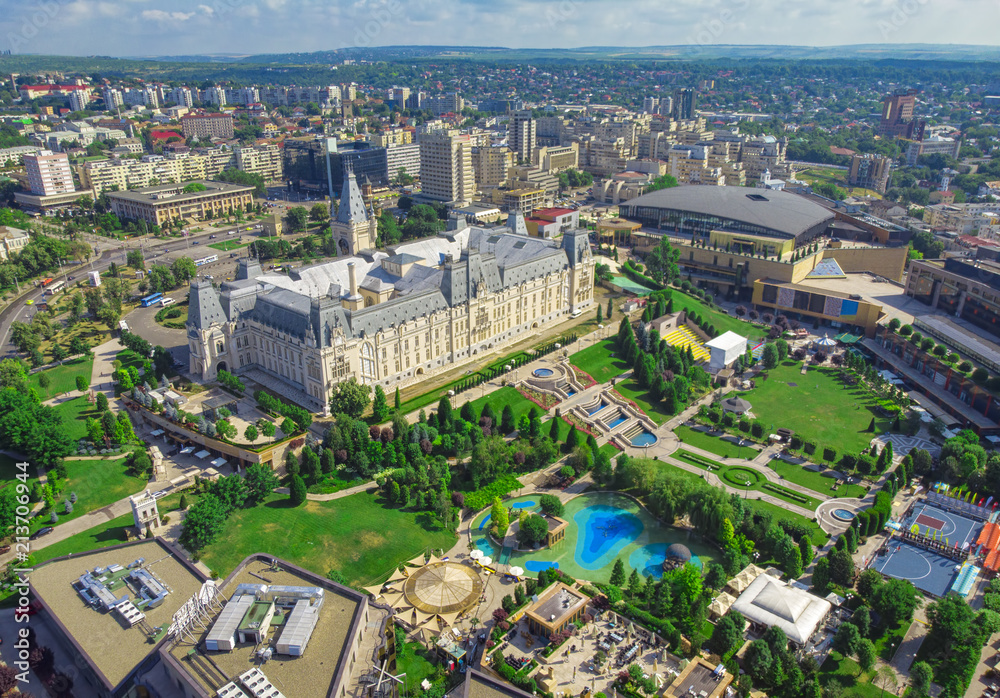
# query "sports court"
(929, 571)
(943, 525)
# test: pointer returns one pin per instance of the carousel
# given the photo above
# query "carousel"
(432, 590)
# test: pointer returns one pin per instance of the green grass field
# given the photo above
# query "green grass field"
(817, 482)
(600, 361)
(722, 321)
(101, 536)
(610, 451)
(97, 483)
(631, 390)
(847, 672)
(75, 413)
(507, 395)
(713, 444)
(818, 408)
(417, 663)
(355, 535)
(228, 245)
(129, 358)
(62, 379)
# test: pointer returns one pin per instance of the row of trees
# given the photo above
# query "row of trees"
(206, 519)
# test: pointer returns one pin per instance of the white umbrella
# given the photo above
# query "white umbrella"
(476, 554)
(516, 571)
(486, 561)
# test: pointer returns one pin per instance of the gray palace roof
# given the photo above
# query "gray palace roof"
(446, 271)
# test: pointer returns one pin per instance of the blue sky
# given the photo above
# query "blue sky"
(165, 27)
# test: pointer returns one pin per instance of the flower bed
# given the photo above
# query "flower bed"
(544, 400)
(631, 403)
(739, 476)
(581, 425)
(583, 378)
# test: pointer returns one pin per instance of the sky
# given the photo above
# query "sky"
(177, 27)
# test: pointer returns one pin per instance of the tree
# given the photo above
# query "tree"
(759, 662)
(532, 530)
(225, 429)
(397, 404)
(726, 634)
(319, 212)
(134, 259)
(499, 516)
(58, 352)
(921, 675)
(862, 619)
(297, 217)
(885, 677)
(81, 384)
(102, 402)
(618, 573)
(868, 582)
(866, 654)
(204, 522)
(297, 490)
(250, 433)
(841, 566)
(380, 406)
(507, 420)
(260, 481)
(769, 357)
(551, 505)
(350, 398)
(611, 308)
(490, 459)
(895, 601)
(847, 639)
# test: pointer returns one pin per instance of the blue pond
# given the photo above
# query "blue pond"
(570, 392)
(539, 565)
(594, 410)
(542, 372)
(604, 532)
(617, 421)
(644, 438)
(649, 559)
(486, 546)
(516, 505)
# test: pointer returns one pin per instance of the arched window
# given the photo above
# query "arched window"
(220, 347)
(367, 363)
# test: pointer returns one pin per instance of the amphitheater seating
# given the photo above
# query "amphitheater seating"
(682, 338)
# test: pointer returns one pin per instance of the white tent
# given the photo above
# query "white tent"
(725, 350)
(771, 602)
(187, 449)
(219, 461)
(202, 455)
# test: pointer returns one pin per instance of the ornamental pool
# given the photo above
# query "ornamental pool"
(602, 527)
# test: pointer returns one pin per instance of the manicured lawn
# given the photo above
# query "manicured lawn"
(93, 332)
(713, 444)
(817, 482)
(610, 451)
(228, 245)
(62, 379)
(818, 408)
(846, 671)
(130, 358)
(818, 537)
(631, 390)
(97, 483)
(600, 361)
(416, 662)
(507, 395)
(75, 413)
(723, 322)
(355, 535)
(101, 536)
(670, 467)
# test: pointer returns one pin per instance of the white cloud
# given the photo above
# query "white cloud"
(164, 16)
(206, 10)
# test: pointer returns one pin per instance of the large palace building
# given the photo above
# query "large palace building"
(387, 317)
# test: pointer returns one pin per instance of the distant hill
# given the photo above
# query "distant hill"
(951, 52)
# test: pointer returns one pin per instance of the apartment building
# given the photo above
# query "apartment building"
(404, 156)
(207, 125)
(450, 103)
(216, 96)
(446, 171)
(870, 172)
(392, 137)
(521, 136)
(112, 98)
(48, 173)
(79, 100)
(964, 219)
(169, 202)
(182, 97)
(557, 158)
(263, 159)
(491, 165)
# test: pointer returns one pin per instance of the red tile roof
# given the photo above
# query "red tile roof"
(552, 211)
(989, 537)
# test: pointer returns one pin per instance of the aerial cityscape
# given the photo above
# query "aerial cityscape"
(349, 352)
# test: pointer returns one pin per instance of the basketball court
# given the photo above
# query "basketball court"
(928, 570)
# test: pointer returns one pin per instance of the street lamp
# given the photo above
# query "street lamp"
(746, 490)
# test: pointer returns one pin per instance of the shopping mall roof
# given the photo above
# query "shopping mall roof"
(785, 213)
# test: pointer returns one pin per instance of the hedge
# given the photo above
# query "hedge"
(785, 492)
(484, 496)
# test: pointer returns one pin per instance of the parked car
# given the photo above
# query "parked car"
(211, 237)
(44, 531)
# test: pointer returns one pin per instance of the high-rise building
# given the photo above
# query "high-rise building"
(685, 103)
(399, 95)
(491, 165)
(49, 173)
(215, 96)
(446, 171)
(897, 116)
(650, 104)
(182, 97)
(870, 172)
(78, 100)
(521, 135)
(405, 156)
(112, 98)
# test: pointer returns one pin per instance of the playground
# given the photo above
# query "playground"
(602, 527)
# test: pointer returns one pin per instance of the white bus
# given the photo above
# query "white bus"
(206, 260)
(53, 289)
(167, 301)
